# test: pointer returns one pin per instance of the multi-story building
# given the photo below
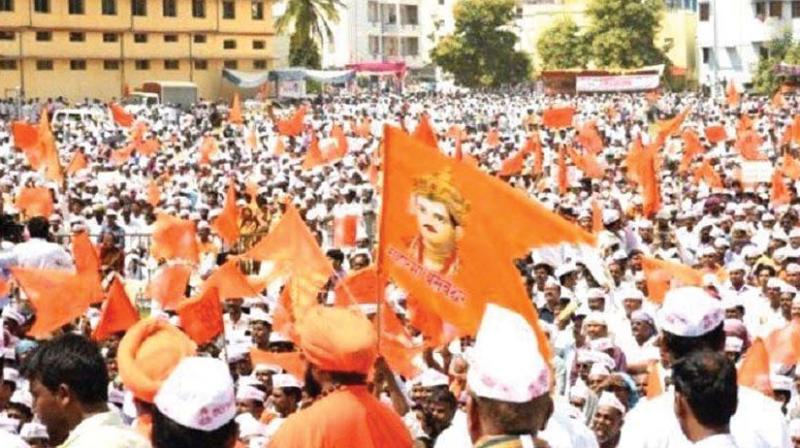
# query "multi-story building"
(678, 27)
(743, 31)
(93, 48)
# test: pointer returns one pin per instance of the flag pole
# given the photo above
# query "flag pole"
(381, 231)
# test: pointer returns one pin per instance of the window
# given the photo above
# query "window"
(169, 8)
(110, 64)
(110, 37)
(109, 7)
(44, 36)
(200, 64)
(257, 10)
(199, 38)
(8, 64)
(408, 15)
(142, 64)
(706, 55)
(776, 9)
(44, 64)
(389, 46)
(372, 11)
(374, 45)
(228, 10)
(705, 12)
(8, 5)
(259, 45)
(229, 44)
(7, 35)
(795, 9)
(41, 6)
(761, 9)
(76, 7)
(171, 64)
(140, 38)
(231, 65)
(410, 46)
(77, 37)
(388, 14)
(199, 8)
(139, 8)
(170, 38)
(77, 64)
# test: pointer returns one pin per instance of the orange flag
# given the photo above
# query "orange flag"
(783, 344)
(121, 156)
(780, 193)
(175, 238)
(291, 362)
(168, 286)
(293, 126)
(314, 155)
(341, 141)
(279, 147)
(778, 100)
(706, 173)
(358, 287)
(57, 296)
(589, 138)
(87, 263)
(662, 275)
(559, 117)
(425, 133)
(50, 158)
(35, 202)
(791, 167)
(538, 154)
(121, 116)
(235, 114)
(201, 316)
(748, 145)
(744, 124)
(654, 387)
(148, 147)
(716, 134)
(754, 371)
(634, 160)
(78, 163)
(513, 164)
(396, 346)
(229, 282)
(153, 193)
(227, 223)
(732, 95)
(421, 186)
(795, 128)
(118, 313)
(295, 252)
(597, 217)
(646, 175)
(691, 148)
(25, 134)
(586, 163)
(671, 126)
(208, 147)
(345, 230)
(563, 173)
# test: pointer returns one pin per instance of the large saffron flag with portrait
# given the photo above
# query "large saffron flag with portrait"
(450, 233)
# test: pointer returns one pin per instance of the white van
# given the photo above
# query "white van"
(62, 116)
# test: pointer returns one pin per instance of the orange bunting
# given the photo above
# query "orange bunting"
(226, 224)
(35, 202)
(754, 370)
(175, 239)
(201, 316)
(117, 314)
(559, 117)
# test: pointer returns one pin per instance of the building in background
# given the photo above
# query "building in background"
(678, 28)
(93, 48)
(744, 29)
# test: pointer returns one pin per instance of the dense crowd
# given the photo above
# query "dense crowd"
(629, 368)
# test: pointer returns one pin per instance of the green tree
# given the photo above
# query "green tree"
(562, 46)
(481, 51)
(311, 20)
(780, 49)
(622, 32)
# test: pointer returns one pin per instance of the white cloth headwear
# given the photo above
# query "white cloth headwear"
(284, 380)
(689, 312)
(610, 400)
(733, 344)
(32, 431)
(516, 374)
(247, 393)
(198, 394)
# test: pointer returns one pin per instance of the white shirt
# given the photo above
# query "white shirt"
(757, 423)
(8, 440)
(717, 441)
(41, 254)
(456, 435)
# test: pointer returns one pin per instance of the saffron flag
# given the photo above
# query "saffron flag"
(716, 134)
(706, 173)
(25, 134)
(35, 202)
(589, 138)
(57, 296)
(121, 156)
(559, 117)
(345, 230)
(87, 263)
(235, 113)
(397, 347)
(153, 193)
(208, 147)
(672, 126)
(450, 233)
(563, 174)
(117, 314)
(230, 282)
(791, 167)
(175, 239)
(754, 370)
(425, 133)
(691, 148)
(783, 344)
(748, 144)
(661, 276)
(291, 362)
(513, 164)
(779, 193)
(168, 286)
(493, 138)
(358, 287)
(201, 316)
(597, 217)
(654, 387)
(732, 97)
(226, 224)
(77, 163)
(314, 156)
(293, 126)
(121, 116)
(337, 133)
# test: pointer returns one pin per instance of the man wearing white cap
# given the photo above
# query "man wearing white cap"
(509, 399)
(607, 420)
(691, 320)
(195, 407)
(286, 395)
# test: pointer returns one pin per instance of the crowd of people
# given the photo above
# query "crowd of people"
(628, 368)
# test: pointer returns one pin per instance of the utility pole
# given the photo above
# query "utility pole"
(715, 87)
